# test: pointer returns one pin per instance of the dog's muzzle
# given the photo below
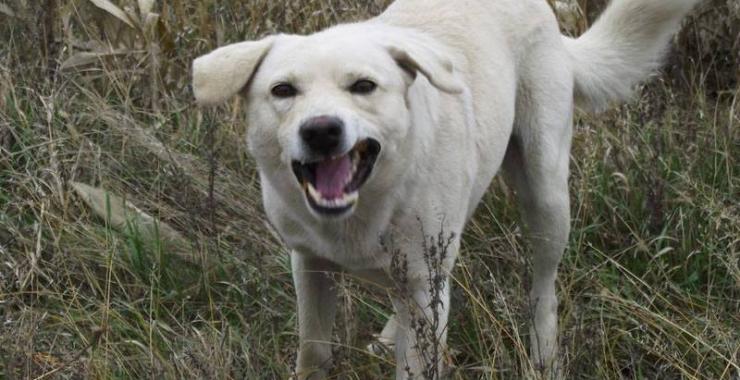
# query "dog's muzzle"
(332, 185)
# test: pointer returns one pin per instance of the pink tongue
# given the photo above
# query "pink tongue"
(332, 176)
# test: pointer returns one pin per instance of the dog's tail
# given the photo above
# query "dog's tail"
(622, 48)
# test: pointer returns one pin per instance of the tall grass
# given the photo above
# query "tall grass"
(650, 285)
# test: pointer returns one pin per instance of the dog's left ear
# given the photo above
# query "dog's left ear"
(415, 59)
(224, 72)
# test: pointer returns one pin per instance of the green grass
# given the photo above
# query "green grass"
(650, 285)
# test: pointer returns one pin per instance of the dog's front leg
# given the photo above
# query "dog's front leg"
(422, 309)
(317, 297)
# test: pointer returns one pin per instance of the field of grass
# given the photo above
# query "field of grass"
(200, 288)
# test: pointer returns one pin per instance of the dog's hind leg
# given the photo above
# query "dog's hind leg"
(542, 193)
(317, 299)
(536, 166)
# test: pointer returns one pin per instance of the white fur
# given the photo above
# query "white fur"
(622, 48)
(485, 85)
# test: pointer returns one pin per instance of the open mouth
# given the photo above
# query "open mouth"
(332, 186)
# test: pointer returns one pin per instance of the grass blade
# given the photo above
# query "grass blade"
(114, 10)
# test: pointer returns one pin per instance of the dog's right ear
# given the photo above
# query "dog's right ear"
(224, 72)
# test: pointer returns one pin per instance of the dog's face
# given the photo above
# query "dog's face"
(332, 105)
(331, 108)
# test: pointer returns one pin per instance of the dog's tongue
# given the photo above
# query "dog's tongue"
(332, 176)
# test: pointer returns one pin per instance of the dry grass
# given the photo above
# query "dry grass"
(650, 285)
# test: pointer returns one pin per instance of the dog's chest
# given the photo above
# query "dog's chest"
(354, 243)
(353, 246)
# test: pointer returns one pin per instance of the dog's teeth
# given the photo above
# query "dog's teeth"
(351, 198)
(313, 193)
(350, 175)
(344, 201)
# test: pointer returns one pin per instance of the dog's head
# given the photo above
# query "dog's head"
(332, 108)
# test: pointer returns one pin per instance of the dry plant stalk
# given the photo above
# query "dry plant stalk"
(571, 16)
(5, 86)
(6, 10)
(125, 217)
(129, 33)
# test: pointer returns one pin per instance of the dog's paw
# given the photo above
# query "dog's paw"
(381, 346)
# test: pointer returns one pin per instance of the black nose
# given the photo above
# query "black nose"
(323, 134)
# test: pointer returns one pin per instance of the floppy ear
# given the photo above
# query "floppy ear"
(414, 58)
(225, 71)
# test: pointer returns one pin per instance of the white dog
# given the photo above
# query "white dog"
(376, 131)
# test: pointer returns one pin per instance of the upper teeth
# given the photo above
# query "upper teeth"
(355, 162)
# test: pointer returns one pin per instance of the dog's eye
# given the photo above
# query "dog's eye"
(363, 87)
(284, 90)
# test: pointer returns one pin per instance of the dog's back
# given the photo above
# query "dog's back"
(621, 49)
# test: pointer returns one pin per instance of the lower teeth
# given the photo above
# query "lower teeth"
(345, 201)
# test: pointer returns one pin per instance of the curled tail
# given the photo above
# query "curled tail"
(622, 48)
